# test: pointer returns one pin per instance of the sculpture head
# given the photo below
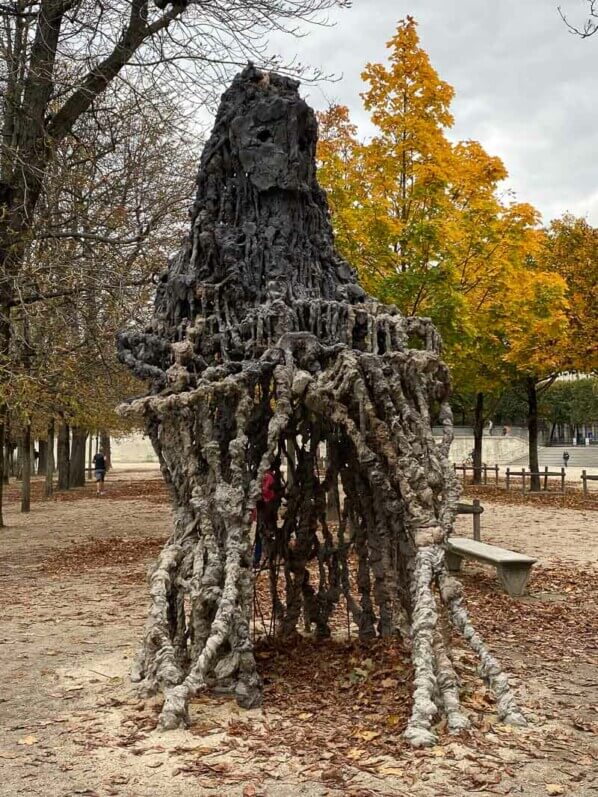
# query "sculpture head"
(274, 136)
(260, 240)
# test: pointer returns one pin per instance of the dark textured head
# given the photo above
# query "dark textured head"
(260, 219)
(274, 136)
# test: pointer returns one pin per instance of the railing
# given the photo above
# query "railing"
(525, 473)
(483, 469)
(585, 477)
(511, 475)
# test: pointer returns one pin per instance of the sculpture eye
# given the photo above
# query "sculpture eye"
(264, 134)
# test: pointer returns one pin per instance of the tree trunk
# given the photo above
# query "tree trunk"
(6, 450)
(77, 463)
(478, 432)
(5, 460)
(9, 452)
(2, 462)
(63, 457)
(26, 464)
(42, 460)
(105, 446)
(5, 294)
(17, 467)
(90, 452)
(49, 484)
(532, 428)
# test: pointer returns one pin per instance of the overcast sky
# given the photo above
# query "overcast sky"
(525, 87)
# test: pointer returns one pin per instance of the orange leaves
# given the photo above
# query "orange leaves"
(535, 322)
(393, 95)
(419, 217)
(571, 251)
(427, 225)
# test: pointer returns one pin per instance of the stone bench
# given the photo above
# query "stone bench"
(513, 568)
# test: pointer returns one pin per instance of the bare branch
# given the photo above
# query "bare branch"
(589, 27)
(87, 236)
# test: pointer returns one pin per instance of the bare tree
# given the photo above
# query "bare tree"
(111, 212)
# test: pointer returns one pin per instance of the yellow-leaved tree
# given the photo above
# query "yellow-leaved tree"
(430, 228)
(571, 251)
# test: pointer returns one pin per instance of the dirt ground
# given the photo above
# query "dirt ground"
(73, 602)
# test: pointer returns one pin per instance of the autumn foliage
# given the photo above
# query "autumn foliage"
(431, 228)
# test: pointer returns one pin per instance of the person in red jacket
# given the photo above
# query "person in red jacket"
(267, 511)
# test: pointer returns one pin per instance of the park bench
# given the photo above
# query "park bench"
(513, 568)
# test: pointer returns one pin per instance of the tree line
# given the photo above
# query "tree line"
(565, 409)
(431, 229)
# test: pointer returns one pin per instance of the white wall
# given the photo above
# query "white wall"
(496, 450)
(133, 448)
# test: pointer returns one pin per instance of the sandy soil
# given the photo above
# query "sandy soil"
(73, 601)
(548, 533)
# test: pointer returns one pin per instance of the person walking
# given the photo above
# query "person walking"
(565, 458)
(99, 468)
(490, 427)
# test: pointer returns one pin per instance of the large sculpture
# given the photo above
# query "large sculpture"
(262, 347)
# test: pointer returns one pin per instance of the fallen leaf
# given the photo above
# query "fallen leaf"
(332, 774)
(357, 675)
(391, 771)
(367, 736)
(354, 753)
(28, 740)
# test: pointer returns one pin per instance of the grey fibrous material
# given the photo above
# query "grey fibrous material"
(262, 347)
